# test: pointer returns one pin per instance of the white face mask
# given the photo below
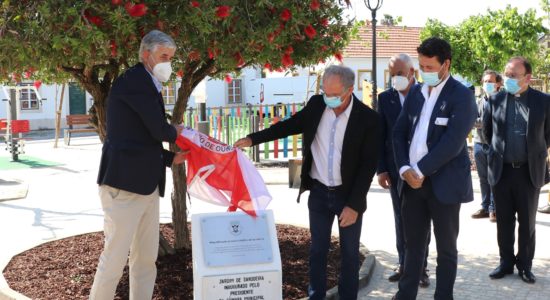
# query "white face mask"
(400, 83)
(162, 71)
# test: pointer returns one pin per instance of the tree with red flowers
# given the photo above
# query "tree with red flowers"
(93, 42)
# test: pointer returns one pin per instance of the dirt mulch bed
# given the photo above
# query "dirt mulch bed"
(64, 269)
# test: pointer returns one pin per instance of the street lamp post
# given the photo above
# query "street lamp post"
(373, 9)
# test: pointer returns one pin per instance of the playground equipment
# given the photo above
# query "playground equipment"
(12, 128)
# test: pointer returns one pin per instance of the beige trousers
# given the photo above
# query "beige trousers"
(131, 224)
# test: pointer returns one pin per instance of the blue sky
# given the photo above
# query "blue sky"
(450, 12)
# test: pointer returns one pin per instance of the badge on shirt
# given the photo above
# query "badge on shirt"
(441, 121)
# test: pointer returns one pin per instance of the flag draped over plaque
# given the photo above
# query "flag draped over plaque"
(221, 174)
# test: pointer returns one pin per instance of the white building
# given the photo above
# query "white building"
(248, 88)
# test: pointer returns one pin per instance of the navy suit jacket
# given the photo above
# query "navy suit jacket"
(133, 158)
(389, 107)
(447, 163)
(359, 149)
(538, 135)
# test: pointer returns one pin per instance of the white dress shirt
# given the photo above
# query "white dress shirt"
(326, 148)
(419, 148)
(157, 83)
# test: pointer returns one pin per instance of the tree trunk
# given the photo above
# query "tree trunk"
(179, 204)
(98, 112)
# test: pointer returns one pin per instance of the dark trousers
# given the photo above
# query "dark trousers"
(515, 194)
(324, 206)
(399, 235)
(481, 155)
(420, 206)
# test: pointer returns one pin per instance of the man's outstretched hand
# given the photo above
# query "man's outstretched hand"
(242, 143)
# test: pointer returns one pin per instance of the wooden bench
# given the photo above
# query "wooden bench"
(73, 120)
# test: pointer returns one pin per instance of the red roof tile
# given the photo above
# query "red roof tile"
(390, 40)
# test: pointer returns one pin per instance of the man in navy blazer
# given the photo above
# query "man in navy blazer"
(432, 157)
(516, 124)
(389, 106)
(133, 170)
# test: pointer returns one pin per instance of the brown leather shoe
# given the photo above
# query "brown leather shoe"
(424, 279)
(482, 213)
(493, 217)
(396, 275)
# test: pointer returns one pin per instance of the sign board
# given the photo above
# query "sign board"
(236, 257)
(235, 240)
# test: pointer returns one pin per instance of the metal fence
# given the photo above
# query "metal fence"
(230, 123)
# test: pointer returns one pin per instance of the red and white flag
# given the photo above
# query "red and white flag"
(221, 174)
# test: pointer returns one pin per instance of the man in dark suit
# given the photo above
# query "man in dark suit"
(432, 156)
(133, 170)
(340, 152)
(389, 106)
(516, 124)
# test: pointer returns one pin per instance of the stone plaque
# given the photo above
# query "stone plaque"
(251, 286)
(235, 239)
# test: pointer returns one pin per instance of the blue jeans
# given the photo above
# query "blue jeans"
(324, 206)
(481, 155)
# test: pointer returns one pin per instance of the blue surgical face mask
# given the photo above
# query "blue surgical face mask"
(489, 88)
(511, 85)
(431, 78)
(332, 102)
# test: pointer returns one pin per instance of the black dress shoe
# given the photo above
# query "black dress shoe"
(424, 279)
(527, 276)
(396, 275)
(545, 209)
(501, 271)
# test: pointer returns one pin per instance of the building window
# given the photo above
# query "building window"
(234, 92)
(27, 97)
(363, 75)
(169, 93)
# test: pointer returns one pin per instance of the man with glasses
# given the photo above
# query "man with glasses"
(340, 154)
(517, 126)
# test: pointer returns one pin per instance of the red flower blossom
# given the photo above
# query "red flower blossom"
(324, 22)
(239, 58)
(195, 4)
(97, 21)
(338, 56)
(211, 53)
(289, 50)
(116, 2)
(179, 73)
(267, 66)
(310, 31)
(113, 47)
(286, 15)
(27, 75)
(136, 10)
(37, 84)
(322, 61)
(287, 60)
(314, 5)
(223, 11)
(324, 48)
(337, 37)
(228, 78)
(271, 37)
